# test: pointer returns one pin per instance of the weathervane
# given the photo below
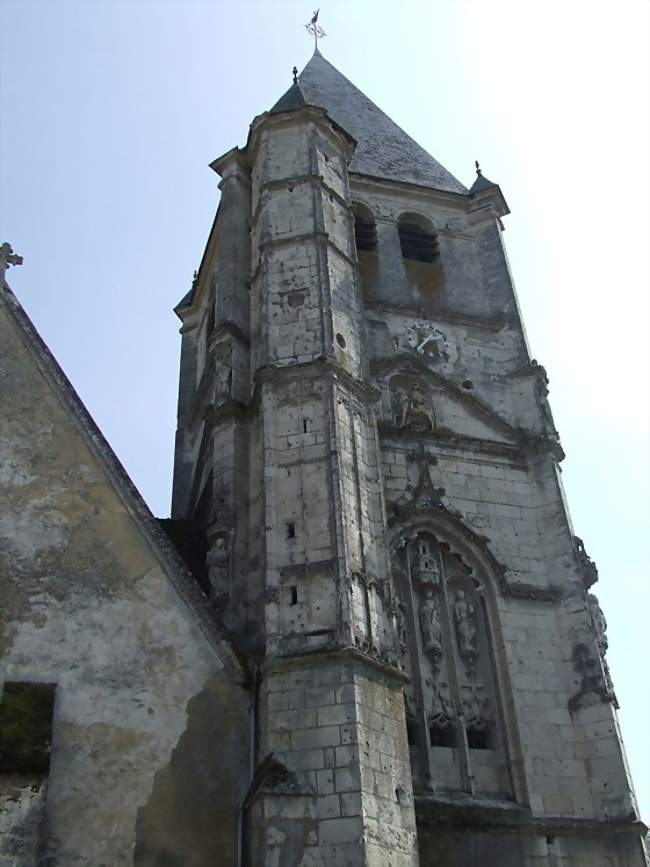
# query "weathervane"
(315, 29)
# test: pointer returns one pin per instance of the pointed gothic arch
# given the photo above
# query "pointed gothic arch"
(462, 733)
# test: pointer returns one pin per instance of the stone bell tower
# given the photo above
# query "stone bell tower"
(367, 448)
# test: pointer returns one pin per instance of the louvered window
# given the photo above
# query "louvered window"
(417, 244)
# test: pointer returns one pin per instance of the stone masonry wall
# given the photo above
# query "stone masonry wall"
(146, 733)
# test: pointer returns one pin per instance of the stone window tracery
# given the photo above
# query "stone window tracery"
(454, 721)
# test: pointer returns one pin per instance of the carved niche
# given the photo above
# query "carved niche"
(449, 651)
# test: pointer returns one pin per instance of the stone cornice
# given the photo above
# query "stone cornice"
(339, 655)
(486, 814)
(432, 195)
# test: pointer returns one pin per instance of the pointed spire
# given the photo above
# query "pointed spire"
(383, 149)
(293, 99)
(481, 183)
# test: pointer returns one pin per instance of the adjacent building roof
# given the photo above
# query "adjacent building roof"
(383, 149)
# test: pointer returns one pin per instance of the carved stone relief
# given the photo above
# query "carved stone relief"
(442, 708)
(412, 404)
(476, 707)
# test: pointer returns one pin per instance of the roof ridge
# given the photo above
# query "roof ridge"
(168, 556)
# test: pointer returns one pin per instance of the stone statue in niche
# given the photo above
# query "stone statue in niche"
(475, 706)
(400, 628)
(415, 407)
(218, 561)
(223, 380)
(465, 622)
(430, 626)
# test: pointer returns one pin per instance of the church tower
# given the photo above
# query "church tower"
(368, 450)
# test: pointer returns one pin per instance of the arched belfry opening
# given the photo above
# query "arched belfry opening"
(459, 736)
(420, 247)
(365, 237)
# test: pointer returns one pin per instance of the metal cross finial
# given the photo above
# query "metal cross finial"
(315, 29)
(8, 257)
(295, 74)
(478, 168)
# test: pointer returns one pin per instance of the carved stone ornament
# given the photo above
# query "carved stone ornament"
(593, 680)
(465, 623)
(442, 708)
(588, 655)
(421, 498)
(586, 566)
(425, 568)
(541, 397)
(599, 623)
(476, 707)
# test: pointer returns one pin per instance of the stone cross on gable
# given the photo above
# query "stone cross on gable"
(7, 258)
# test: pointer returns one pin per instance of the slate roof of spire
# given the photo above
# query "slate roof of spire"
(292, 100)
(383, 150)
(481, 183)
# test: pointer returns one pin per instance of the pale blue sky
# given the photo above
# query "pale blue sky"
(111, 112)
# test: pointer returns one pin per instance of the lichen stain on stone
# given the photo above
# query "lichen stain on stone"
(190, 818)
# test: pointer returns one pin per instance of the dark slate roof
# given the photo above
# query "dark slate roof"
(292, 100)
(383, 150)
(481, 183)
